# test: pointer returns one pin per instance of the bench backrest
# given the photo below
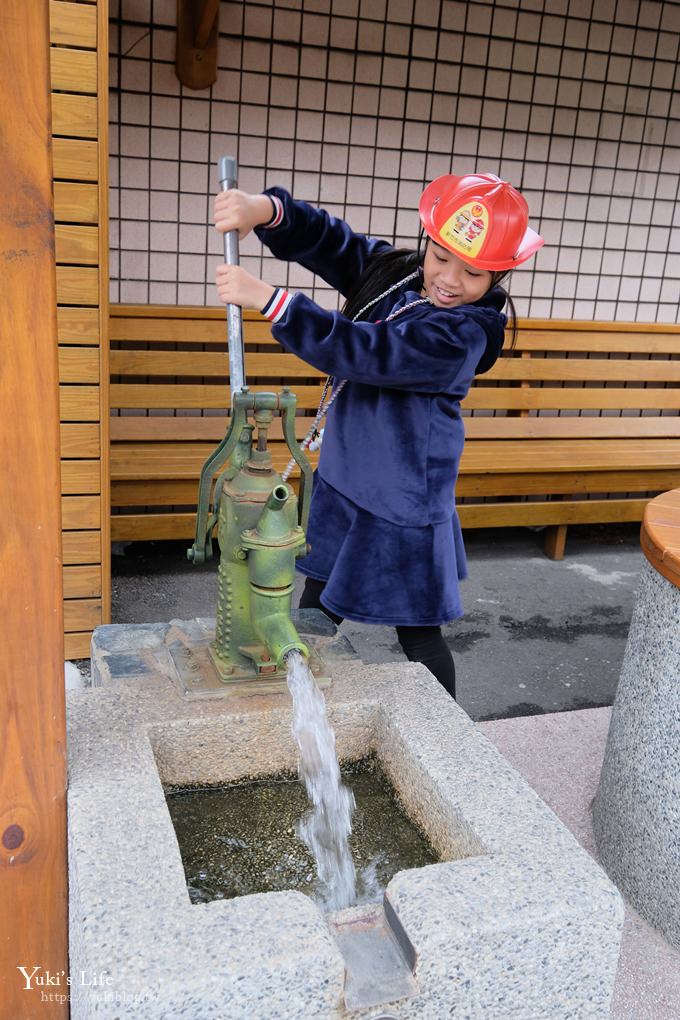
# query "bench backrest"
(580, 378)
(563, 380)
(170, 364)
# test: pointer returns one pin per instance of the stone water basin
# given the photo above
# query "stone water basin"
(514, 921)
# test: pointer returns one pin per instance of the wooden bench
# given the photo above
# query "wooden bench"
(580, 423)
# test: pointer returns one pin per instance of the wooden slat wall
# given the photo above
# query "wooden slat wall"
(33, 865)
(79, 77)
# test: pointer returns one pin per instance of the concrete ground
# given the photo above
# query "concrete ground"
(538, 656)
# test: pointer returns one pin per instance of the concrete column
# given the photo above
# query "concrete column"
(636, 812)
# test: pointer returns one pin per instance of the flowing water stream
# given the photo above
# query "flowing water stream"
(326, 827)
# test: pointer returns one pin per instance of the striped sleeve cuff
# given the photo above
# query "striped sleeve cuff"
(277, 218)
(276, 307)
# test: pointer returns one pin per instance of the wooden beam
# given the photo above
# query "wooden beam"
(74, 116)
(78, 365)
(32, 716)
(76, 203)
(103, 308)
(77, 285)
(74, 159)
(555, 541)
(540, 483)
(79, 403)
(82, 614)
(77, 646)
(73, 24)
(82, 582)
(148, 527)
(151, 527)
(80, 476)
(80, 440)
(197, 34)
(80, 547)
(513, 515)
(73, 70)
(145, 395)
(77, 245)
(205, 363)
(78, 325)
(81, 512)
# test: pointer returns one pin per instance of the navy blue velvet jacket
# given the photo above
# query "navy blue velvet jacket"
(394, 437)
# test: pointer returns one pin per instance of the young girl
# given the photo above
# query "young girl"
(416, 327)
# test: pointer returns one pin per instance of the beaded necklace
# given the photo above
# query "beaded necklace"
(395, 286)
(314, 437)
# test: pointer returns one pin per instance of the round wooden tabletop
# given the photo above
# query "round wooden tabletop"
(660, 534)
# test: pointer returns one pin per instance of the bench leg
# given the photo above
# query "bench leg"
(555, 540)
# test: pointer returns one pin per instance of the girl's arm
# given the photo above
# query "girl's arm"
(297, 232)
(433, 352)
(318, 241)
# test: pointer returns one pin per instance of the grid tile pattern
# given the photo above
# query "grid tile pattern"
(356, 104)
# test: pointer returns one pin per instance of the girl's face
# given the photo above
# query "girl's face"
(448, 281)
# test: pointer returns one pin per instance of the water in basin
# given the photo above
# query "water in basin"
(242, 838)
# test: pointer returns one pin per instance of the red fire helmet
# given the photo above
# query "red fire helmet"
(480, 218)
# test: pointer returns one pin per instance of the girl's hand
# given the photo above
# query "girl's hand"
(237, 287)
(237, 210)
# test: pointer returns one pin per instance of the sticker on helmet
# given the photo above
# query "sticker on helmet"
(466, 228)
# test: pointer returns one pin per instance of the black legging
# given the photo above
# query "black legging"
(420, 644)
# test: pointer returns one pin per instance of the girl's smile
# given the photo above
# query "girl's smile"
(448, 281)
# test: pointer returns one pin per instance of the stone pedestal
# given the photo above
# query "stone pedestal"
(636, 812)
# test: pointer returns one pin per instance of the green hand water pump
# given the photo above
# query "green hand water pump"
(260, 521)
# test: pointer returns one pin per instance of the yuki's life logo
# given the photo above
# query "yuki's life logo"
(36, 977)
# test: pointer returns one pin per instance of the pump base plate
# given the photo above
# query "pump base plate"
(197, 675)
(180, 650)
(187, 645)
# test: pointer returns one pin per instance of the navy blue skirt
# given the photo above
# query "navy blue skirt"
(379, 572)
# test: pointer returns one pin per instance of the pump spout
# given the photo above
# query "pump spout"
(270, 614)
(272, 548)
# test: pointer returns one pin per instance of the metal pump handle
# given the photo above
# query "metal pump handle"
(242, 402)
(227, 170)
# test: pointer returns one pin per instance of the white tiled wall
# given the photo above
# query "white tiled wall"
(356, 104)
